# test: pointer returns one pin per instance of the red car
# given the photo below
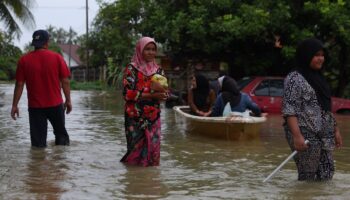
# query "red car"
(267, 93)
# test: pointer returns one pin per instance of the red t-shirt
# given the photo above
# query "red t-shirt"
(42, 71)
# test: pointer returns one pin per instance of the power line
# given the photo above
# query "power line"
(60, 7)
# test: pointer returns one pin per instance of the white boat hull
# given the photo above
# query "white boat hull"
(229, 128)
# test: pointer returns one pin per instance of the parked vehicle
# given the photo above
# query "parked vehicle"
(267, 93)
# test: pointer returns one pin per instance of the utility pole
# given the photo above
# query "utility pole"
(86, 42)
(70, 47)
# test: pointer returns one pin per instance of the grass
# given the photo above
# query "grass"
(95, 85)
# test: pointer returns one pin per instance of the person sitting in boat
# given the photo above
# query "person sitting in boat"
(215, 85)
(200, 97)
(231, 96)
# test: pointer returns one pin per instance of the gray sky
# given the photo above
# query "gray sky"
(60, 14)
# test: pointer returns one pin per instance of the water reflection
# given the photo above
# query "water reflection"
(192, 167)
(143, 183)
(46, 170)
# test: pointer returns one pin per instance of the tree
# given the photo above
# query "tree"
(9, 54)
(10, 10)
(62, 36)
(253, 37)
(112, 36)
(333, 26)
(245, 33)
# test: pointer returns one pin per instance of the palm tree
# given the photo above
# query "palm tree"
(13, 10)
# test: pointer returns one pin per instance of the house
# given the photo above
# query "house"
(76, 66)
(69, 53)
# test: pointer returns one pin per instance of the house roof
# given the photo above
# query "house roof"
(73, 49)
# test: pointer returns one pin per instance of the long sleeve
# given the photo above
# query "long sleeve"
(130, 80)
(251, 105)
(292, 95)
(218, 107)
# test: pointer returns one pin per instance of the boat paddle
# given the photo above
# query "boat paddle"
(283, 163)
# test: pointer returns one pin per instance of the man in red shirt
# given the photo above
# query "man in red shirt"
(43, 72)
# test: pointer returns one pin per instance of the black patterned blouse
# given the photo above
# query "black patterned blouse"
(300, 100)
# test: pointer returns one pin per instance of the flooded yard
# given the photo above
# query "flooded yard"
(192, 167)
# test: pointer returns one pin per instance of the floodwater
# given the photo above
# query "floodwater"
(192, 167)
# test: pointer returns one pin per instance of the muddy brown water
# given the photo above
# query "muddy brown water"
(192, 167)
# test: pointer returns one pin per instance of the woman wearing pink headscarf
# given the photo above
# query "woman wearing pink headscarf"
(142, 109)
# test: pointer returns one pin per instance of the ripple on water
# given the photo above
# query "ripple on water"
(192, 167)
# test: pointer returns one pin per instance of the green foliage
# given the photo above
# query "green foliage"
(253, 37)
(13, 10)
(115, 74)
(9, 54)
(3, 75)
(112, 37)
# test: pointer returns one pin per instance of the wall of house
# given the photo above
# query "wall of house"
(80, 73)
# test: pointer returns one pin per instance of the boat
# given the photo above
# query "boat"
(232, 127)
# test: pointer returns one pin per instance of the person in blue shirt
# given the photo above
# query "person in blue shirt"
(239, 101)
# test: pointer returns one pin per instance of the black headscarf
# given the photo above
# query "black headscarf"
(230, 92)
(201, 92)
(306, 50)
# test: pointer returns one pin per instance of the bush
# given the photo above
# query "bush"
(3, 76)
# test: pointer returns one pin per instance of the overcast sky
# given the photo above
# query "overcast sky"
(60, 14)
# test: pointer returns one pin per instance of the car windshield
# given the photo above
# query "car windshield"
(243, 82)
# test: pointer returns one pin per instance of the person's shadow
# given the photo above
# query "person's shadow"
(46, 171)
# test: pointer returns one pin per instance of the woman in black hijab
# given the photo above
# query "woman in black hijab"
(306, 108)
(305, 52)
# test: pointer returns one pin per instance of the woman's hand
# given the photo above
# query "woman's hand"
(299, 143)
(207, 114)
(298, 138)
(338, 138)
(161, 96)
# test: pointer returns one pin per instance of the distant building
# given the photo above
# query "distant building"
(76, 66)
(70, 55)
